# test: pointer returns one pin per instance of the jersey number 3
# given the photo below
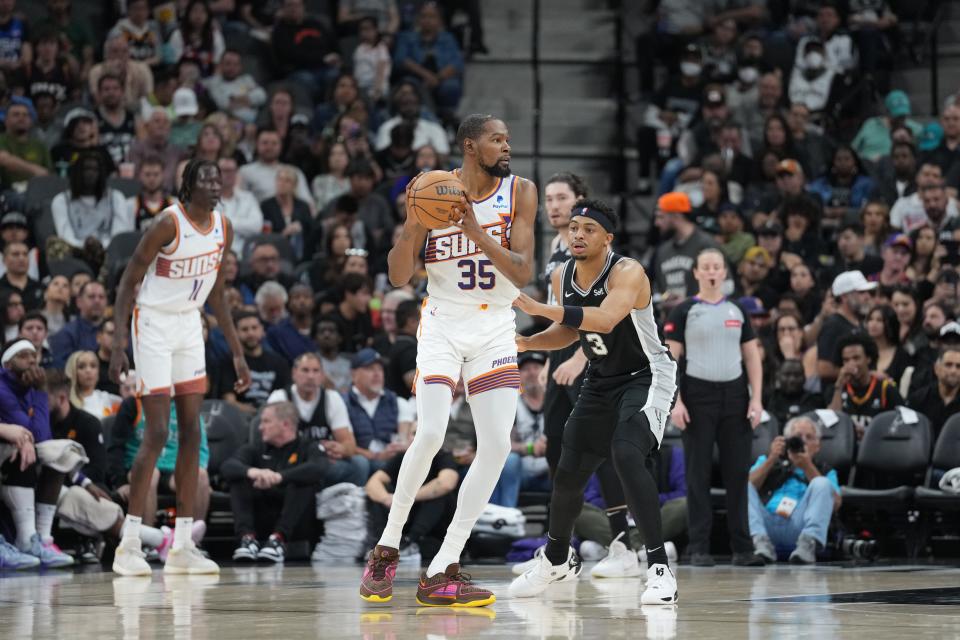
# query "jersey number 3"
(476, 273)
(596, 343)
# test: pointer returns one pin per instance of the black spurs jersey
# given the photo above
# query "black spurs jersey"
(633, 345)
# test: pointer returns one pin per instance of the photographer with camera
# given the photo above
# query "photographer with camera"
(792, 495)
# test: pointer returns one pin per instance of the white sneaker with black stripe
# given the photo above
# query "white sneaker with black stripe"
(272, 550)
(536, 580)
(661, 586)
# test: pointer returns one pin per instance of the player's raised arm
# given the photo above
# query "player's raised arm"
(516, 263)
(218, 303)
(628, 284)
(158, 236)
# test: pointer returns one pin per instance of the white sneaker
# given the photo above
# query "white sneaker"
(522, 567)
(668, 546)
(661, 586)
(189, 561)
(129, 559)
(536, 580)
(619, 563)
(591, 551)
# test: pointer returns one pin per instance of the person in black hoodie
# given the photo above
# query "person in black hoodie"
(788, 399)
(305, 48)
(273, 484)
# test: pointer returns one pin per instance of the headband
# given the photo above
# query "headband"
(14, 349)
(594, 214)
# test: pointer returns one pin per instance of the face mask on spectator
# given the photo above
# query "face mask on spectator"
(690, 68)
(748, 75)
(814, 60)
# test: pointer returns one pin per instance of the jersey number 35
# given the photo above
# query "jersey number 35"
(476, 273)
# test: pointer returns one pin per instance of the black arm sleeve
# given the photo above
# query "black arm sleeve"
(122, 432)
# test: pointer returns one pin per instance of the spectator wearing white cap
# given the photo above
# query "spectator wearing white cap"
(852, 292)
(186, 127)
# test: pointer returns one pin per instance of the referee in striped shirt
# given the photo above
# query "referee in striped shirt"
(712, 340)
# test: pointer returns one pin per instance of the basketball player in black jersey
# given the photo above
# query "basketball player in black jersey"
(627, 394)
(563, 377)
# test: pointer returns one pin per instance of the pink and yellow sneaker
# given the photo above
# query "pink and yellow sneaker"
(377, 582)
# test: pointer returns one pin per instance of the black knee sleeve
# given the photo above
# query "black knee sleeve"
(575, 461)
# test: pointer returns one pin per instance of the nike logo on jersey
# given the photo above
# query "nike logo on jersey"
(568, 294)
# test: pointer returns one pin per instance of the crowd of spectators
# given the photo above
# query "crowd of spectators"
(318, 121)
(835, 208)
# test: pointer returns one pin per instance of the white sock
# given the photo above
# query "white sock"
(181, 532)
(20, 500)
(151, 536)
(494, 412)
(131, 527)
(45, 514)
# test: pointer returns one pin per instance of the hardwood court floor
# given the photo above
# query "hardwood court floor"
(321, 601)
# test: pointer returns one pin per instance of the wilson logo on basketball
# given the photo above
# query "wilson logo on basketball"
(445, 190)
(188, 267)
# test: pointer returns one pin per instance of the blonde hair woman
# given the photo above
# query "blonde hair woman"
(83, 369)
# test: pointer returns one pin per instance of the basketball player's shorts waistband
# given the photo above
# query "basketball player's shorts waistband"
(158, 310)
(446, 305)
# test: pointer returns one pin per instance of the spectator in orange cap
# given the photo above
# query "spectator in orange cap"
(681, 242)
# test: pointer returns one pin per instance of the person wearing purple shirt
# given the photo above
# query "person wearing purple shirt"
(671, 482)
(30, 490)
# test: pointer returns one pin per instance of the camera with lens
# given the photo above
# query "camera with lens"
(858, 549)
(795, 445)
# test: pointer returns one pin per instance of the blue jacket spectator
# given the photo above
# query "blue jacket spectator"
(375, 413)
(431, 55)
(845, 187)
(80, 334)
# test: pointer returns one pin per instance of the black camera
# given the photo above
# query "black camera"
(795, 445)
(858, 549)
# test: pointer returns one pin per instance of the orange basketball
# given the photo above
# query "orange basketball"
(432, 196)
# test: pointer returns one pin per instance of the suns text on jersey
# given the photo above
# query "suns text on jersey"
(193, 267)
(457, 245)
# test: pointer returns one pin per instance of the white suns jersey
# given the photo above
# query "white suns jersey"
(184, 272)
(457, 271)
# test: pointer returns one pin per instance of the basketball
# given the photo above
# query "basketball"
(432, 196)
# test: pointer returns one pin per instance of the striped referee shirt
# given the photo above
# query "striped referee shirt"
(711, 335)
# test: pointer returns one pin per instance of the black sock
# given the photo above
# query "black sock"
(657, 556)
(557, 549)
(617, 517)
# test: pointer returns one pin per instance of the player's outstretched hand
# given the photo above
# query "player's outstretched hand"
(119, 366)
(243, 375)
(527, 304)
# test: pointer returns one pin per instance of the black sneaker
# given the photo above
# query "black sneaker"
(248, 550)
(702, 560)
(86, 552)
(747, 559)
(272, 550)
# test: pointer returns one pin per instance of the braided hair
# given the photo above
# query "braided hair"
(190, 174)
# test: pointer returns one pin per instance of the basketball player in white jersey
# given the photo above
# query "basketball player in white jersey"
(178, 263)
(474, 269)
